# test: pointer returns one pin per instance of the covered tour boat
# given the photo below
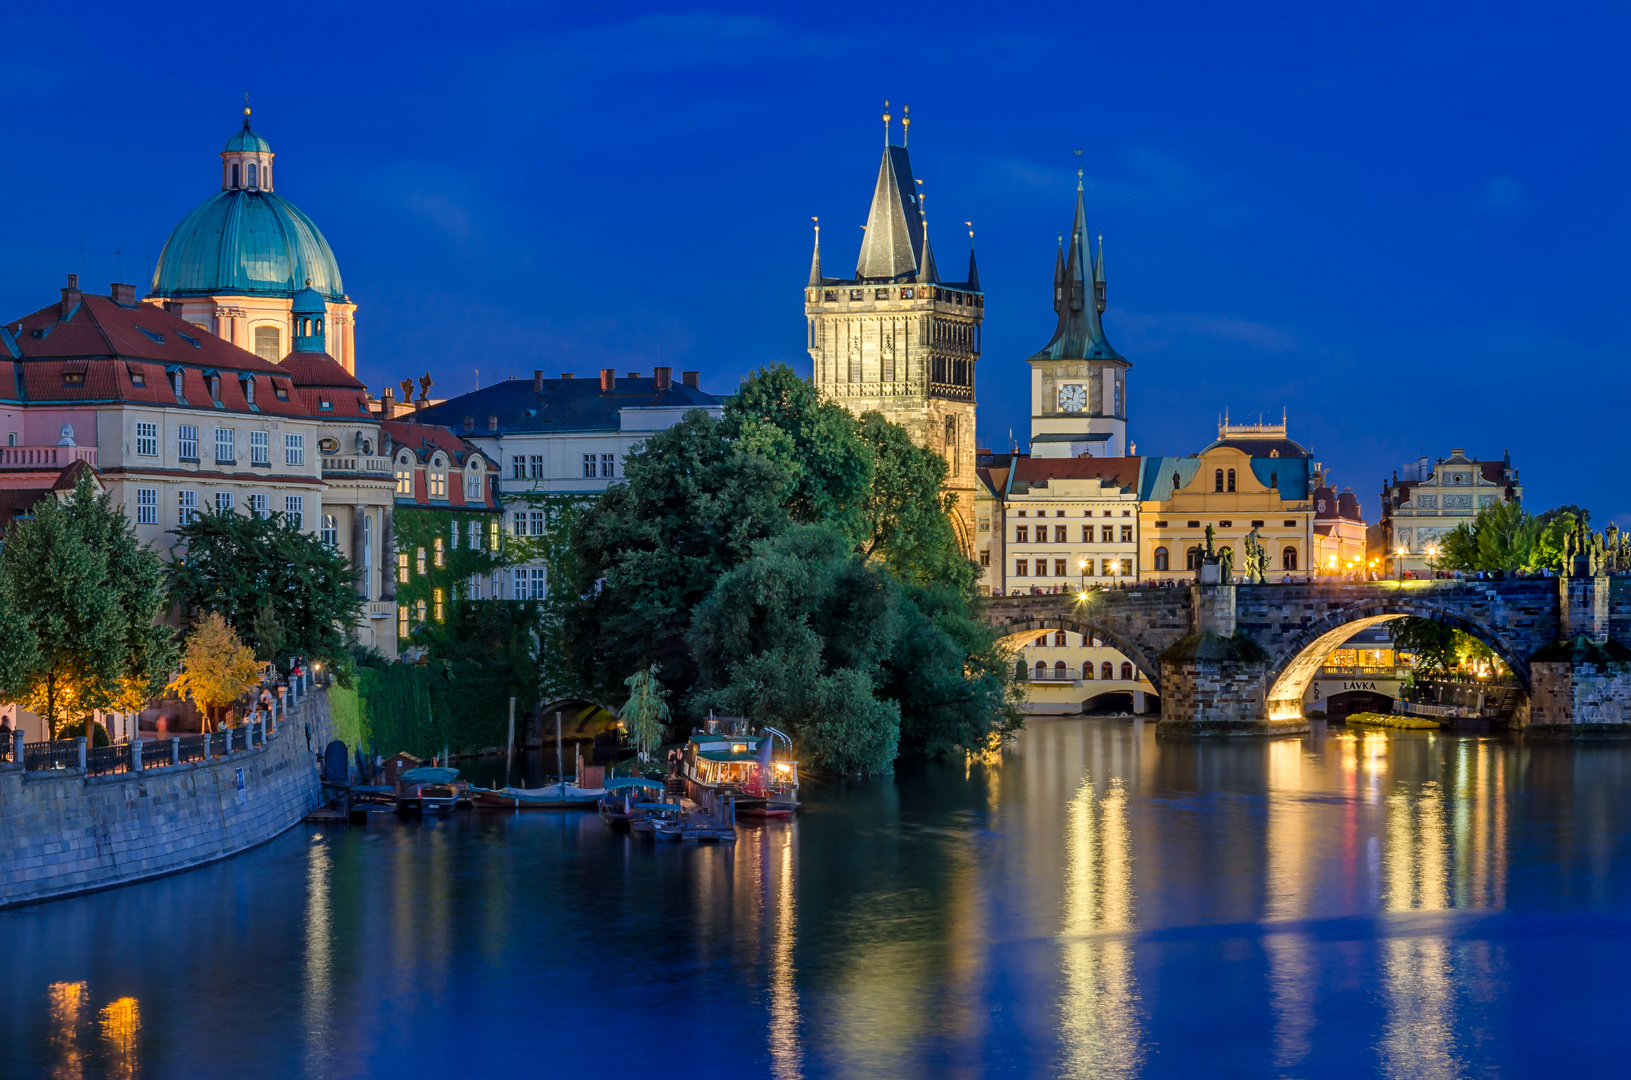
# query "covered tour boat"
(724, 759)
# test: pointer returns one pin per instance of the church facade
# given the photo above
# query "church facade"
(898, 339)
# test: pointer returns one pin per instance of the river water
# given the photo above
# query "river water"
(1096, 903)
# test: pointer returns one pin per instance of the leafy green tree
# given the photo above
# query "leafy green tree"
(1502, 537)
(1556, 525)
(84, 593)
(907, 510)
(261, 570)
(1433, 644)
(645, 714)
(651, 548)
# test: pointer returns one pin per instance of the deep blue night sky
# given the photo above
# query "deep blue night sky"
(1405, 224)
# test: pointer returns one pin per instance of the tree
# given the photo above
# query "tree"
(646, 712)
(906, 512)
(1433, 644)
(261, 572)
(84, 593)
(217, 668)
(1502, 537)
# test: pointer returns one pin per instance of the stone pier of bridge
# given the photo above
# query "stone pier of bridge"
(1236, 659)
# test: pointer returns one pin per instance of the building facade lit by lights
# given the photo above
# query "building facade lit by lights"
(1427, 498)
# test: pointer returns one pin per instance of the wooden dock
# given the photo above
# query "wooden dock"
(712, 821)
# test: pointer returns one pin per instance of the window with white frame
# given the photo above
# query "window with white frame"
(260, 452)
(497, 583)
(492, 535)
(537, 466)
(438, 483)
(294, 449)
(520, 524)
(147, 438)
(537, 522)
(588, 466)
(257, 505)
(404, 477)
(147, 505)
(186, 506)
(537, 591)
(187, 442)
(294, 506)
(223, 501)
(453, 536)
(438, 546)
(472, 486)
(475, 535)
(224, 449)
(518, 467)
(330, 533)
(608, 465)
(402, 621)
(474, 591)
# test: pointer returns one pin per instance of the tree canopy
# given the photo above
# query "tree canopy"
(217, 668)
(81, 593)
(286, 591)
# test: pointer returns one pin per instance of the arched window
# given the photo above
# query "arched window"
(254, 177)
(269, 343)
(1087, 670)
(1106, 671)
(1231, 479)
(1288, 559)
(235, 175)
(331, 531)
(1217, 481)
(1041, 671)
(1127, 672)
(1019, 669)
(1059, 669)
(1192, 558)
(1042, 642)
(1059, 639)
(1160, 558)
(951, 444)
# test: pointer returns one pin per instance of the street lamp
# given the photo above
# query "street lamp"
(1081, 571)
(1398, 562)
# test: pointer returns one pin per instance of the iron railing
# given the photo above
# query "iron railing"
(61, 754)
(191, 748)
(1054, 675)
(101, 760)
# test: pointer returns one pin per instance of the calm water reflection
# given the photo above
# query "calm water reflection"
(1094, 904)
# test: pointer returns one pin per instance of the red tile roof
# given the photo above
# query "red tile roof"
(424, 440)
(1117, 471)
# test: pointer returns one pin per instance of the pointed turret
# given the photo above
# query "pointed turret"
(929, 274)
(1098, 278)
(973, 271)
(815, 259)
(894, 227)
(1079, 334)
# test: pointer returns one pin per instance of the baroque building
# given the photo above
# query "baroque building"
(896, 338)
(1428, 498)
(236, 262)
(1078, 380)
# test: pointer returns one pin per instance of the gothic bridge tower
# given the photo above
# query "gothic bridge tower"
(898, 339)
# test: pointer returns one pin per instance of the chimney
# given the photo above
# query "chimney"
(387, 405)
(537, 382)
(567, 375)
(608, 379)
(689, 378)
(663, 377)
(634, 374)
(70, 295)
(123, 294)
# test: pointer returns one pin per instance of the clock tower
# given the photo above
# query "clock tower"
(1078, 380)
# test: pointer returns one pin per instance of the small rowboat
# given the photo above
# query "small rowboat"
(427, 790)
(550, 797)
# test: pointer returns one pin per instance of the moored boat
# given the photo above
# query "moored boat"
(661, 821)
(550, 797)
(627, 799)
(724, 759)
(427, 790)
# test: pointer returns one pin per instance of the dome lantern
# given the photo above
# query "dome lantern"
(309, 312)
(246, 163)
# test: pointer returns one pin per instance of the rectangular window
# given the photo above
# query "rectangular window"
(147, 438)
(224, 448)
(419, 561)
(404, 479)
(295, 507)
(294, 449)
(1041, 568)
(474, 542)
(537, 592)
(438, 485)
(608, 465)
(1022, 568)
(1022, 534)
(588, 466)
(520, 524)
(1126, 568)
(223, 501)
(537, 523)
(1087, 534)
(518, 467)
(1126, 534)
(186, 506)
(147, 505)
(1059, 536)
(518, 587)
(419, 610)
(492, 536)
(1107, 534)
(537, 465)
(473, 587)
(257, 505)
(402, 620)
(402, 567)
(437, 543)
(437, 595)
(260, 452)
(453, 536)
(187, 442)
(985, 556)
(472, 489)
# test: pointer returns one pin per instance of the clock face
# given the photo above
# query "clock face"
(1073, 398)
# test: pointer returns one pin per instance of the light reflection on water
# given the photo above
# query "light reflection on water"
(1092, 903)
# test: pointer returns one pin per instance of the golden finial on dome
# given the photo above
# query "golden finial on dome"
(246, 104)
(886, 121)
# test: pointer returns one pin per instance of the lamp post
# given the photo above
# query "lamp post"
(1398, 563)
(1081, 573)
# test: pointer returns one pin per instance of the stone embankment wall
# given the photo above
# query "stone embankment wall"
(62, 832)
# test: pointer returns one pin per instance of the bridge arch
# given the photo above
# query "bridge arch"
(1294, 668)
(1015, 631)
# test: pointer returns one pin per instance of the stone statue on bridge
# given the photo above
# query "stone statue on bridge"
(1226, 566)
(1584, 552)
(1209, 552)
(1257, 560)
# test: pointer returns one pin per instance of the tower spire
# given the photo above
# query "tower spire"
(973, 270)
(905, 124)
(928, 273)
(1098, 278)
(815, 258)
(893, 245)
(886, 122)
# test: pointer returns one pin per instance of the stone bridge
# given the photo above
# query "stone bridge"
(1237, 658)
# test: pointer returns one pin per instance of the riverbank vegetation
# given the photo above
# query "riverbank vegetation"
(794, 564)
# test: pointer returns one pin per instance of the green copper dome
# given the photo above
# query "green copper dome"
(246, 242)
(247, 140)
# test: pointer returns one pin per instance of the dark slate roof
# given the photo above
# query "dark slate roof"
(563, 405)
(1079, 334)
(1262, 448)
(893, 245)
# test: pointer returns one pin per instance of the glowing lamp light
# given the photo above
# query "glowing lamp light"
(783, 767)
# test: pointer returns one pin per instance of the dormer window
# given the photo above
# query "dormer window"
(325, 405)
(73, 378)
(280, 390)
(249, 389)
(137, 377)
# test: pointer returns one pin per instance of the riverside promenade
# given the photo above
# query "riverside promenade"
(74, 820)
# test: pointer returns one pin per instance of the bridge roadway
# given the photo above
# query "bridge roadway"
(1237, 658)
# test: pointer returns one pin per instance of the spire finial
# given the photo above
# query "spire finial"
(886, 121)
(970, 225)
(246, 108)
(1078, 154)
(905, 124)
